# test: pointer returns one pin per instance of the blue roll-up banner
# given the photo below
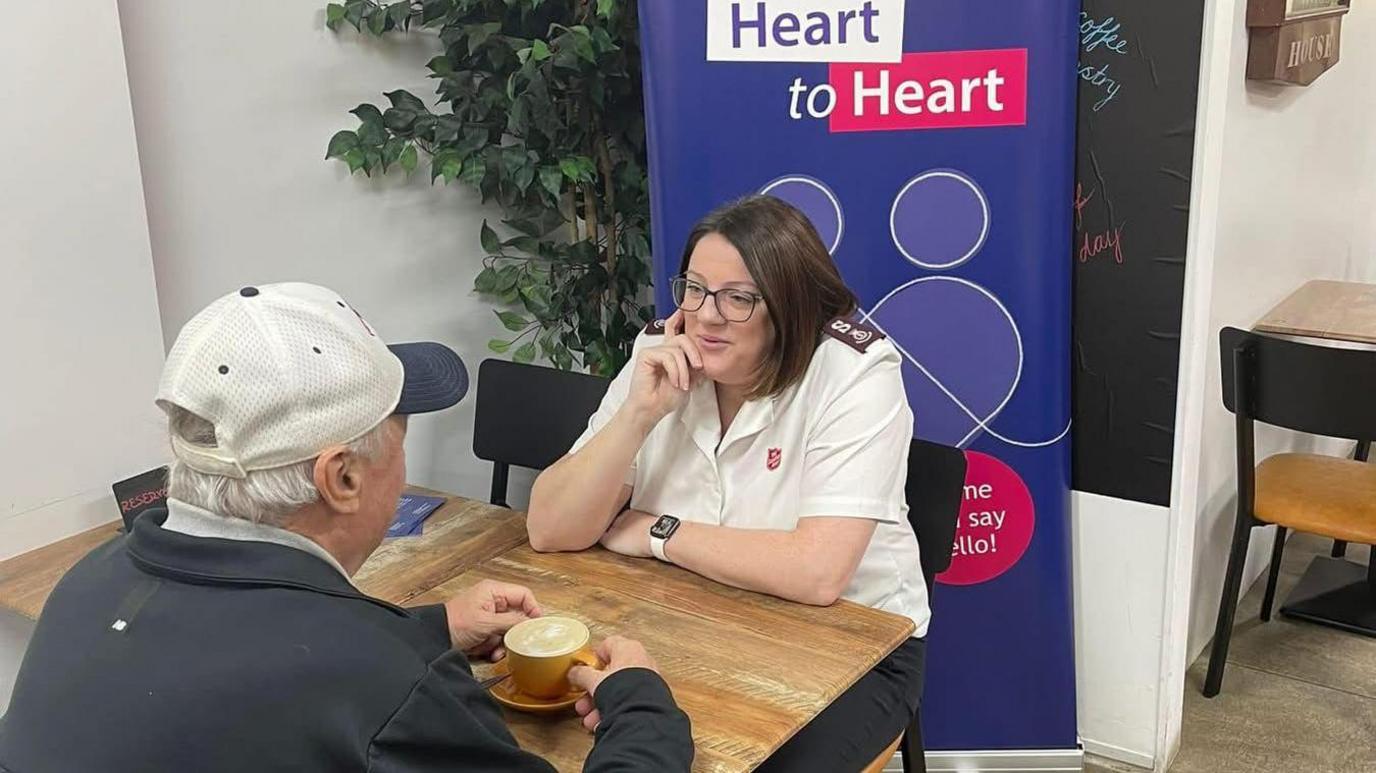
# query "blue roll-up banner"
(931, 143)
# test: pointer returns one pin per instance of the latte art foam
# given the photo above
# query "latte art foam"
(546, 636)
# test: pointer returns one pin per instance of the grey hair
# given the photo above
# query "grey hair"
(263, 496)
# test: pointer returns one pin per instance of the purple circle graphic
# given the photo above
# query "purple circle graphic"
(939, 219)
(962, 355)
(813, 198)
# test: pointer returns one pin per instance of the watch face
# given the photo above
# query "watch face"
(665, 527)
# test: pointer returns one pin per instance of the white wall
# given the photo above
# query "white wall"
(1118, 553)
(1284, 192)
(82, 341)
(234, 104)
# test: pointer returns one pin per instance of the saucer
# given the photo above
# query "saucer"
(505, 693)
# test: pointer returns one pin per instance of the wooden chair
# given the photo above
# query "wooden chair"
(1322, 390)
(934, 487)
(528, 416)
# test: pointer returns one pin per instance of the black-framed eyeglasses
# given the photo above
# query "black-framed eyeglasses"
(733, 304)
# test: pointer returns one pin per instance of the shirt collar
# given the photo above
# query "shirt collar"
(703, 419)
(193, 521)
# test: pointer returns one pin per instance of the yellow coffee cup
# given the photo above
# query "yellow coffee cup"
(540, 652)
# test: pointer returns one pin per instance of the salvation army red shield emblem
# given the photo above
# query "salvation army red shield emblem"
(775, 456)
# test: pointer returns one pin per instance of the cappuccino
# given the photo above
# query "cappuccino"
(546, 637)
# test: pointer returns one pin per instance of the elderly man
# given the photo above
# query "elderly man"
(224, 634)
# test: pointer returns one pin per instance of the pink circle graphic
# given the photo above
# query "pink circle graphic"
(997, 518)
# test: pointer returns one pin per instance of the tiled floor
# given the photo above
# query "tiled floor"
(1297, 697)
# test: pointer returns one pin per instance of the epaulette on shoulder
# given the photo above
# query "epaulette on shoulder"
(855, 334)
(655, 327)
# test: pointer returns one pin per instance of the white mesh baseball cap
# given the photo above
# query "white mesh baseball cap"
(284, 371)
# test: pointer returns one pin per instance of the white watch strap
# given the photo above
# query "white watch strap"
(657, 548)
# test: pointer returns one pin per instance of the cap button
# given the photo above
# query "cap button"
(249, 292)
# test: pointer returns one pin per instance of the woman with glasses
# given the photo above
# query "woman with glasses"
(760, 438)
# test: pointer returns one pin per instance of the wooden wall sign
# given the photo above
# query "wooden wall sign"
(1293, 41)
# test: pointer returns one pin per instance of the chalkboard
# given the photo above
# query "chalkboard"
(1139, 77)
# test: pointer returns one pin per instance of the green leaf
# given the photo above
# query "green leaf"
(341, 143)
(569, 167)
(409, 159)
(499, 346)
(372, 159)
(473, 141)
(368, 113)
(447, 130)
(525, 226)
(334, 14)
(391, 152)
(405, 100)
(479, 34)
(491, 244)
(377, 22)
(539, 50)
(440, 65)
(562, 359)
(474, 169)
(583, 47)
(353, 13)
(605, 8)
(434, 10)
(524, 177)
(355, 158)
(526, 353)
(513, 321)
(448, 166)
(508, 277)
(486, 281)
(399, 14)
(527, 244)
(371, 134)
(400, 120)
(603, 41)
(552, 178)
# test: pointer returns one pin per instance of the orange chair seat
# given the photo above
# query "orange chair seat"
(1322, 495)
(877, 766)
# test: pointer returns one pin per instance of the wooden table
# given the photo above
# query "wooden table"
(750, 670)
(1333, 591)
(1338, 311)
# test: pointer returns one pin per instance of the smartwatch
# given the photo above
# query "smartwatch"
(660, 533)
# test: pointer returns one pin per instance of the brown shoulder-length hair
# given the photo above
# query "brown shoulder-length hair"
(800, 284)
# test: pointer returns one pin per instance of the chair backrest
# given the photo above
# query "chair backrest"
(1321, 390)
(528, 415)
(935, 485)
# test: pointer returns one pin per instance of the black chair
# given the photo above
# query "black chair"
(529, 416)
(1321, 390)
(935, 485)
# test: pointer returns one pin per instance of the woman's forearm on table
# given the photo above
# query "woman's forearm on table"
(798, 565)
(575, 499)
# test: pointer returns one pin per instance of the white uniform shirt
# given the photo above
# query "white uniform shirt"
(835, 444)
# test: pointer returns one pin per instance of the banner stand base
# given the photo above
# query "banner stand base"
(992, 761)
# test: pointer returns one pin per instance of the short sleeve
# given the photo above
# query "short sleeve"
(857, 453)
(611, 403)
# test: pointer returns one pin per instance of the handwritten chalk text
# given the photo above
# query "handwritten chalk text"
(1091, 245)
(1103, 35)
